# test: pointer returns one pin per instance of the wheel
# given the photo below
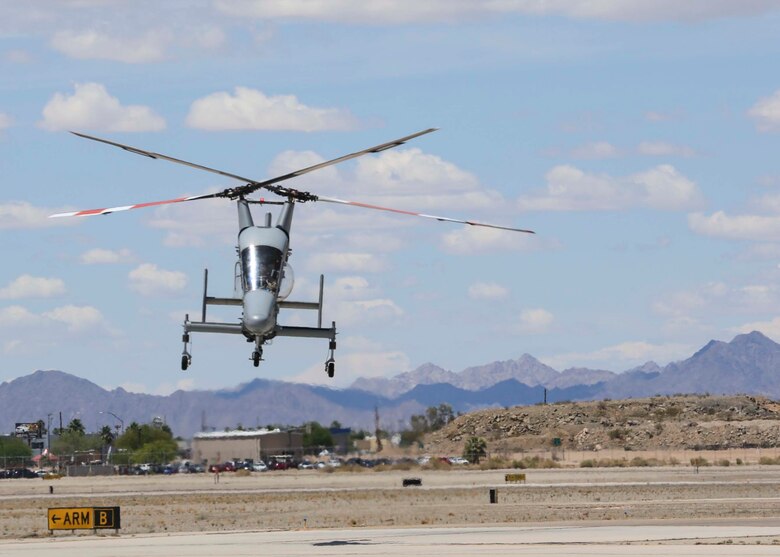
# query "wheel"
(256, 359)
(185, 363)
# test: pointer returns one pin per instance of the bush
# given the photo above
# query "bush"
(724, 462)
(769, 460)
(587, 463)
(494, 464)
(534, 462)
(699, 461)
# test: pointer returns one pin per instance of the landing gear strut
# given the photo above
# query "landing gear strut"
(186, 357)
(257, 355)
(330, 363)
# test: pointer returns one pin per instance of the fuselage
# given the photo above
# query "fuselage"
(262, 253)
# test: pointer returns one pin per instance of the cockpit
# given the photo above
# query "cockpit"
(261, 267)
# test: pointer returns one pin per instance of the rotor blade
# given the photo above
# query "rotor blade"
(153, 155)
(106, 211)
(402, 212)
(254, 183)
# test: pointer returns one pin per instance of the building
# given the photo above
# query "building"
(220, 446)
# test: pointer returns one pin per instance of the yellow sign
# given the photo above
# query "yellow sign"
(84, 518)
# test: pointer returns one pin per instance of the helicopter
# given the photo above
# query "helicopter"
(263, 277)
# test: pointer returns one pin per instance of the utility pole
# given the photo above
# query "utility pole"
(376, 430)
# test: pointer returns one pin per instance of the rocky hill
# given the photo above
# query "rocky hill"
(661, 422)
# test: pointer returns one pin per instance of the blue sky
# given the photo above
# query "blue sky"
(640, 139)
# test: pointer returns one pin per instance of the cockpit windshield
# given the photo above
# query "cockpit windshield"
(260, 266)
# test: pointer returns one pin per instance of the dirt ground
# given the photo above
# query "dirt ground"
(312, 499)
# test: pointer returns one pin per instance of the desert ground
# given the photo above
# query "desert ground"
(310, 499)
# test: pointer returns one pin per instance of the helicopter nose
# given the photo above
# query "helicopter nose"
(259, 311)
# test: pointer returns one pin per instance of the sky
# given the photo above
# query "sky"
(639, 139)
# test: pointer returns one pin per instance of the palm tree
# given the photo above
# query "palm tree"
(106, 435)
(475, 449)
(76, 427)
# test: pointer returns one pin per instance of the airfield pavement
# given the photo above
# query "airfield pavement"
(718, 511)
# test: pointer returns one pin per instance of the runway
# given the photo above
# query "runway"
(612, 540)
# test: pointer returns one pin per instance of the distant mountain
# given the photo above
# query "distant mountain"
(749, 364)
(426, 374)
(257, 403)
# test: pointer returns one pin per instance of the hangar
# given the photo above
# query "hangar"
(214, 447)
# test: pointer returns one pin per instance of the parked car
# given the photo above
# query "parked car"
(458, 460)
(260, 466)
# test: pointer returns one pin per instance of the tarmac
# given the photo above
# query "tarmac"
(613, 540)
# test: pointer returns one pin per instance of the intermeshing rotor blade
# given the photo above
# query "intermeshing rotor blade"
(255, 184)
(109, 210)
(402, 212)
(153, 155)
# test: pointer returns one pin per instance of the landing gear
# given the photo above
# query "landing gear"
(257, 355)
(330, 363)
(186, 357)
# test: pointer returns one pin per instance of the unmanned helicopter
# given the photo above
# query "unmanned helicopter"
(263, 277)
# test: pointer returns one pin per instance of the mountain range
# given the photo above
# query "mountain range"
(749, 364)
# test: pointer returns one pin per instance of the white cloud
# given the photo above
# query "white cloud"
(91, 107)
(487, 291)
(95, 45)
(412, 180)
(357, 357)
(105, 256)
(682, 303)
(22, 215)
(17, 316)
(596, 150)
(385, 13)
(363, 312)
(346, 263)
(770, 328)
(250, 109)
(536, 320)
(5, 121)
(351, 288)
(621, 356)
(663, 149)
(27, 286)
(148, 280)
(766, 112)
(76, 318)
(759, 228)
(571, 189)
